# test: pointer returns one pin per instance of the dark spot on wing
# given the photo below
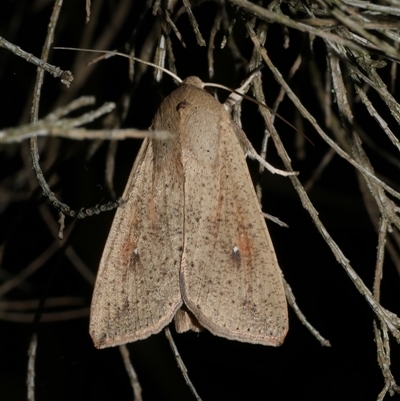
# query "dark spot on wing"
(182, 105)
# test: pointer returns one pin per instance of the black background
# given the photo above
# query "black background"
(68, 367)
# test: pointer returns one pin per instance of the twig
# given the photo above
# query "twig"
(319, 170)
(53, 129)
(228, 32)
(378, 118)
(52, 123)
(373, 7)
(373, 42)
(36, 100)
(180, 363)
(383, 345)
(88, 6)
(383, 349)
(30, 380)
(312, 120)
(159, 58)
(275, 220)
(60, 316)
(110, 167)
(66, 76)
(292, 302)
(33, 303)
(195, 25)
(136, 387)
(48, 218)
(254, 155)
(174, 28)
(282, 19)
(211, 45)
(104, 41)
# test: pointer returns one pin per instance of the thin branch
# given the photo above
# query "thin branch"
(50, 125)
(282, 19)
(372, 111)
(33, 303)
(275, 220)
(66, 76)
(180, 363)
(381, 336)
(61, 316)
(30, 380)
(195, 25)
(312, 120)
(292, 302)
(136, 387)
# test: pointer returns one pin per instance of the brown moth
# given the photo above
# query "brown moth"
(190, 241)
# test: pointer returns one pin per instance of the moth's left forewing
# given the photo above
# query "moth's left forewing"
(137, 291)
(230, 278)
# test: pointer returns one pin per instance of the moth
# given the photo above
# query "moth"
(190, 242)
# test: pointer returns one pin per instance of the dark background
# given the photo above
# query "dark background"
(68, 367)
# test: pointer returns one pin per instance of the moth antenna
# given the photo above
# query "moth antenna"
(259, 103)
(251, 100)
(110, 52)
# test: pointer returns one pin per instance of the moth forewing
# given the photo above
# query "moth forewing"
(137, 287)
(230, 278)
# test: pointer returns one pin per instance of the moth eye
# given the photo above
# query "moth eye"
(181, 105)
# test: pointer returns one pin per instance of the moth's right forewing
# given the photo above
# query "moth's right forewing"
(137, 287)
(230, 278)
